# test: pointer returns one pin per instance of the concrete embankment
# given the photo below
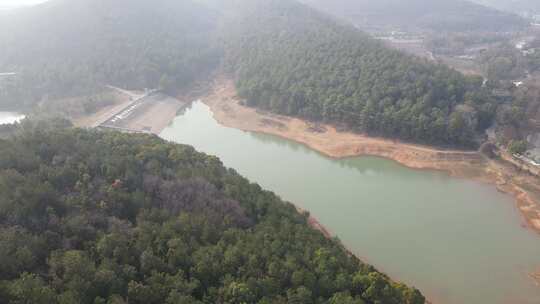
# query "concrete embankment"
(135, 113)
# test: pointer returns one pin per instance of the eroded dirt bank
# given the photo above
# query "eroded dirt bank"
(223, 101)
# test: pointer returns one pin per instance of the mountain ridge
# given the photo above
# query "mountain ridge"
(433, 15)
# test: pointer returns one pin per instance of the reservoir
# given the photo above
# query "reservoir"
(458, 241)
(10, 117)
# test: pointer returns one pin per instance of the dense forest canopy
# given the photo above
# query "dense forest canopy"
(65, 48)
(95, 217)
(292, 60)
(286, 57)
(520, 118)
(435, 15)
(505, 62)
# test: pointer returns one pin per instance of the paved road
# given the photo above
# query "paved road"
(127, 109)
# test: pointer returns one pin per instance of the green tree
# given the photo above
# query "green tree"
(517, 146)
(31, 289)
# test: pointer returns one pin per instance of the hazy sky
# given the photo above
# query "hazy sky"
(16, 3)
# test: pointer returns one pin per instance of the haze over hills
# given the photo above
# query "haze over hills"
(103, 217)
(326, 71)
(515, 6)
(68, 48)
(94, 216)
(331, 72)
(435, 15)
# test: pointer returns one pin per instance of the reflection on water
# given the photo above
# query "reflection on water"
(456, 240)
(271, 139)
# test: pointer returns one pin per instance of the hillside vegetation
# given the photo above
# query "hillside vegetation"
(94, 217)
(285, 56)
(68, 48)
(292, 60)
(521, 118)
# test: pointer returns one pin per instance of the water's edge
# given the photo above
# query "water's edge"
(227, 110)
(386, 264)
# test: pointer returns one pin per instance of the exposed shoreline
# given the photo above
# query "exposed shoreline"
(325, 139)
(222, 99)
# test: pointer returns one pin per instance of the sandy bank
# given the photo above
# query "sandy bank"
(223, 101)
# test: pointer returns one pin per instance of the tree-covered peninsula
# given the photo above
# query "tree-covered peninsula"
(103, 217)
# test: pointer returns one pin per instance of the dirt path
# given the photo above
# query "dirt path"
(223, 101)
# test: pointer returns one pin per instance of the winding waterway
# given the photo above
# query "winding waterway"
(458, 241)
(10, 117)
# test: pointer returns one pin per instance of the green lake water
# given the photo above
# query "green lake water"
(458, 241)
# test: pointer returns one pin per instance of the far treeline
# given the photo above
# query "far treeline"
(445, 16)
(95, 217)
(286, 58)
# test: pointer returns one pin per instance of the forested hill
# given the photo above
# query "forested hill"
(290, 59)
(73, 47)
(93, 217)
(287, 58)
(434, 15)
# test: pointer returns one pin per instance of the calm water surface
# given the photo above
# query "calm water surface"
(458, 241)
(10, 117)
